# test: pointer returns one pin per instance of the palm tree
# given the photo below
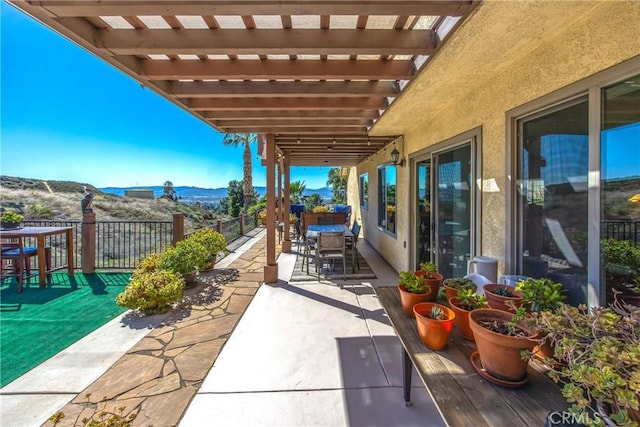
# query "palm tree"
(338, 185)
(296, 189)
(244, 139)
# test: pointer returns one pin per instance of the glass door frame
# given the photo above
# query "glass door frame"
(592, 87)
(473, 138)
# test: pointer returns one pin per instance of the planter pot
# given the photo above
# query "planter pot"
(433, 284)
(498, 302)
(450, 292)
(9, 225)
(462, 319)
(189, 280)
(433, 333)
(499, 353)
(409, 299)
(211, 266)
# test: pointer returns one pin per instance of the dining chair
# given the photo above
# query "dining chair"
(331, 246)
(351, 243)
(20, 257)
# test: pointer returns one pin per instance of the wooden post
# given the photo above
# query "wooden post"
(242, 224)
(286, 244)
(88, 262)
(219, 226)
(178, 227)
(271, 269)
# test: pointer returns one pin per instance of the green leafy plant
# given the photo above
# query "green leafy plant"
(212, 241)
(469, 300)
(11, 217)
(430, 269)
(320, 209)
(541, 294)
(412, 283)
(152, 292)
(147, 264)
(184, 258)
(597, 360)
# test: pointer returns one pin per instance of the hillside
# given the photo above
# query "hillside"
(60, 200)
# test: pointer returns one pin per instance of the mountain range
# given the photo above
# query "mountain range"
(211, 195)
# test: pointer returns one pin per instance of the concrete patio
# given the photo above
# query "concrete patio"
(283, 354)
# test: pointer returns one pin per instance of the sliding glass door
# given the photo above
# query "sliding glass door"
(444, 208)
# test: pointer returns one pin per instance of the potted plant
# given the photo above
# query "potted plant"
(501, 342)
(434, 323)
(453, 286)
(10, 219)
(596, 359)
(184, 258)
(498, 295)
(432, 278)
(539, 295)
(466, 301)
(413, 290)
(152, 292)
(213, 242)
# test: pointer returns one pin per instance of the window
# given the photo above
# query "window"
(569, 226)
(553, 197)
(387, 198)
(364, 190)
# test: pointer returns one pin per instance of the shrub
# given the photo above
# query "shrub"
(152, 292)
(41, 210)
(11, 217)
(320, 209)
(213, 241)
(185, 257)
(148, 264)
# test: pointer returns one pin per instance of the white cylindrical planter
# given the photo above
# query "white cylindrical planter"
(484, 265)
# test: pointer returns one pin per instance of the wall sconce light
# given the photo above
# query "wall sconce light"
(395, 158)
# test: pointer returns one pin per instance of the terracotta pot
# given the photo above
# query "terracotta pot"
(211, 266)
(450, 292)
(500, 354)
(498, 302)
(433, 284)
(462, 319)
(433, 333)
(409, 299)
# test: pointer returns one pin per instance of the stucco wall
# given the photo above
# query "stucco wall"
(505, 55)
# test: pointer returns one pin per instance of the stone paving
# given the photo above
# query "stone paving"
(159, 376)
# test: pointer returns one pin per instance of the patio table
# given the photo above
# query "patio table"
(461, 395)
(39, 233)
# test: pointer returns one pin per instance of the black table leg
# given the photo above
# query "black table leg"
(407, 369)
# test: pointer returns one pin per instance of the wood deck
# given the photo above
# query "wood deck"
(461, 395)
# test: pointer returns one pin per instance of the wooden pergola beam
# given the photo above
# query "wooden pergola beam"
(293, 131)
(284, 41)
(293, 123)
(226, 89)
(301, 115)
(253, 7)
(275, 69)
(259, 104)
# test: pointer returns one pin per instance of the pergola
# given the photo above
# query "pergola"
(311, 76)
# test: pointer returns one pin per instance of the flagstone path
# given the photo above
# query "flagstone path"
(158, 377)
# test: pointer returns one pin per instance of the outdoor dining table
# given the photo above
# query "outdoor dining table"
(39, 233)
(314, 229)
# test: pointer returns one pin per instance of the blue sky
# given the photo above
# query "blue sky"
(67, 115)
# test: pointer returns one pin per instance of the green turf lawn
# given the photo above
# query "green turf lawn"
(40, 322)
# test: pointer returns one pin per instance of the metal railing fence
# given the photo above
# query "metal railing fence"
(122, 244)
(621, 230)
